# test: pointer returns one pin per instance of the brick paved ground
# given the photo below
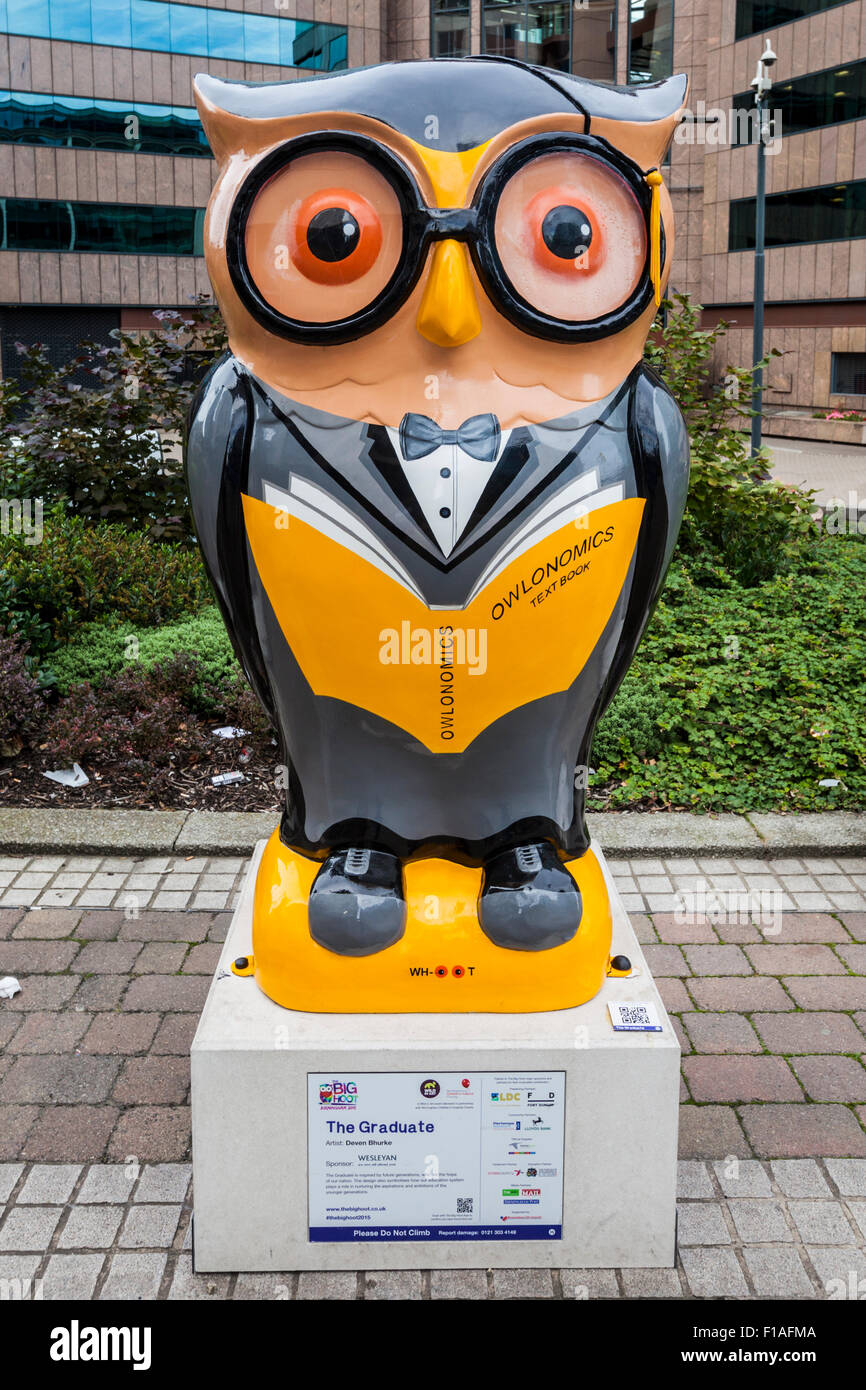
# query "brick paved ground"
(770, 1005)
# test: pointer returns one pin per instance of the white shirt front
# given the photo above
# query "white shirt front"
(447, 484)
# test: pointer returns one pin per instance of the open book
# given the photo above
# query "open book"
(317, 508)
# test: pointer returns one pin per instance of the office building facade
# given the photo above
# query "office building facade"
(105, 174)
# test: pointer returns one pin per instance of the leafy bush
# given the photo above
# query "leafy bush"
(82, 572)
(760, 693)
(111, 450)
(630, 727)
(20, 701)
(736, 515)
(150, 715)
(103, 650)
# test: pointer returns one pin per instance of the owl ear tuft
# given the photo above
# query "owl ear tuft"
(641, 120)
(224, 130)
(672, 94)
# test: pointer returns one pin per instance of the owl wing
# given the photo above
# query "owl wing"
(216, 455)
(659, 444)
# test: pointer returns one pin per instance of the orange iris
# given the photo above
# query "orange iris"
(362, 244)
(537, 210)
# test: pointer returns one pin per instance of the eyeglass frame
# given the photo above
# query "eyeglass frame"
(423, 226)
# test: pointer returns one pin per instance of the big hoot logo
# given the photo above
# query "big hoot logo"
(433, 437)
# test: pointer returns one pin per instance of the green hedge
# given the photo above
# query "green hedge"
(103, 650)
(761, 693)
(84, 573)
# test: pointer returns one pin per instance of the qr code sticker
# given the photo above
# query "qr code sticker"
(634, 1017)
(634, 1013)
(464, 1206)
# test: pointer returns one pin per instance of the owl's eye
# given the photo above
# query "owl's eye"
(323, 236)
(563, 229)
(335, 236)
(571, 236)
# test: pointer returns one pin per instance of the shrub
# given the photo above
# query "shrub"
(103, 650)
(85, 725)
(760, 693)
(630, 726)
(82, 572)
(20, 701)
(110, 451)
(736, 514)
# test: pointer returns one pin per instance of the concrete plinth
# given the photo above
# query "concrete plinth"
(251, 1064)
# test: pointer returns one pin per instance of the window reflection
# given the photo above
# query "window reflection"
(754, 16)
(809, 103)
(164, 27)
(535, 33)
(38, 225)
(651, 40)
(836, 212)
(31, 118)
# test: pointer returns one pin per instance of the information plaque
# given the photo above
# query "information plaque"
(445, 1156)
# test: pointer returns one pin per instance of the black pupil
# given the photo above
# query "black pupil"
(566, 231)
(333, 234)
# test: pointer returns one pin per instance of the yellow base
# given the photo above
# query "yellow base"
(443, 964)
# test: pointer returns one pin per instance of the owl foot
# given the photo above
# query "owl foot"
(529, 901)
(356, 902)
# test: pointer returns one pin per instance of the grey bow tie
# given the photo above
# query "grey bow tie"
(478, 436)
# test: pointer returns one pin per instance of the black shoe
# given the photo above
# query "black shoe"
(356, 902)
(529, 901)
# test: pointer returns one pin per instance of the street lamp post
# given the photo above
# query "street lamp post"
(761, 85)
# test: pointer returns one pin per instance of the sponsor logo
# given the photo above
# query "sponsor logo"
(505, 1097)
(430, 1089)
(342, 1095)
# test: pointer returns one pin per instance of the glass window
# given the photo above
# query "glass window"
(110, 21)
(651, 40)
(593, 40)
(836, 212)
(30, 118)
(28, 17)
(151, 26)
(754, 16)
(308, 45)
(451, 34)
(225, 31)
(31, 225)
(36, 225)
(70, 22)
(188, 29)
(261, 40)
(536, 33)
(548, 35)
(809, 103)
(338, 53)
(164, 27)
(848, 374)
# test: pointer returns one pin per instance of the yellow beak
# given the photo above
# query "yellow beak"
(449, 314)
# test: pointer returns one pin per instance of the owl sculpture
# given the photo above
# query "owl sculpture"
(436, 492)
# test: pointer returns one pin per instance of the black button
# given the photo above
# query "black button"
(444, 472)
(445, 511)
